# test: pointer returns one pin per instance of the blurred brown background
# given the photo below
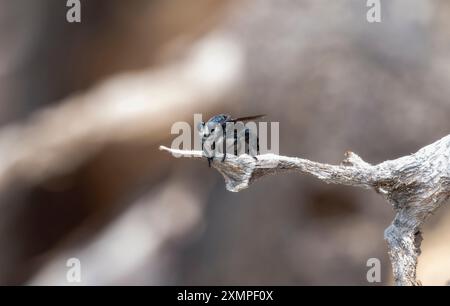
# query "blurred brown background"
(84, 107)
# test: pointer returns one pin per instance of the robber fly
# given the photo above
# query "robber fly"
(209, 131)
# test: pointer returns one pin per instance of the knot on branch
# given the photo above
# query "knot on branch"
(236, 171)
(353, 160)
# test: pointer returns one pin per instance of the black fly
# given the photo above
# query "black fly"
(214, 130)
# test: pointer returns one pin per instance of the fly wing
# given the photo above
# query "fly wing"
(248, 118)
(220, 119)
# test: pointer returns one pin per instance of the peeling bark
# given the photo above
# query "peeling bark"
(415, 186)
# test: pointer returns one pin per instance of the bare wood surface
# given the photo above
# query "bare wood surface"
(415, 185)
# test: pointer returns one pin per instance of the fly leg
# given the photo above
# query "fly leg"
(249, 144)
(224, 151)
(210, 159)
(224, 145)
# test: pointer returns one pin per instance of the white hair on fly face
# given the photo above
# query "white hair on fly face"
(208, 128)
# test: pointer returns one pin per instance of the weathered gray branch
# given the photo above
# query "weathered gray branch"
(415, 185)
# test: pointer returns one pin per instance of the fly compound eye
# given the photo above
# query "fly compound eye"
(200, 126)
(211, 126)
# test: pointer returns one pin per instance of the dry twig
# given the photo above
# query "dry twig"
(415, 186)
